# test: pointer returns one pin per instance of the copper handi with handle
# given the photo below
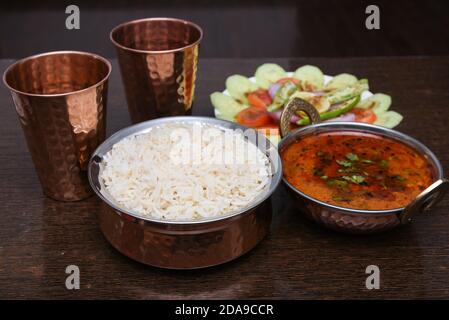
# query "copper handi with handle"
(425, 200)
(295, 106)
(158, 60)
(355, 220)
(60, 98)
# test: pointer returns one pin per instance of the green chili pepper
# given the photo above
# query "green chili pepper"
(343, 108)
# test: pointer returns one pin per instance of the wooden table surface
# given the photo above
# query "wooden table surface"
(39, 237)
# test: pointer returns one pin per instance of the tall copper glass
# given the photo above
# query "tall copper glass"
(60, 98)
(158, 60)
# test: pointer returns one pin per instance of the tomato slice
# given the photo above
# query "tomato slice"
(364, 115)
(253, 117)
(259, 98)
(287, 79)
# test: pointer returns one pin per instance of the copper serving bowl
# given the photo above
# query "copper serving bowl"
(353, 220)
(184, 244)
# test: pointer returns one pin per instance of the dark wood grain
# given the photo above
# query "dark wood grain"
(39, 237)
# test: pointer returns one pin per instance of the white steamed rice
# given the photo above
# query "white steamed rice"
(171, 173)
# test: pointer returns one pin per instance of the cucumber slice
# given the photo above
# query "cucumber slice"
(311, 77)
(238, 85)
(227, 107)
(269, 73)
(340, 81)
(349, 92)
(346, 106)
(389, 119)
(378, 102)
(320, 103)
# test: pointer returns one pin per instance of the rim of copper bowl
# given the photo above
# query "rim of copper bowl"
(111, 35)
(50, 53)
(142, 126)
(381, 131)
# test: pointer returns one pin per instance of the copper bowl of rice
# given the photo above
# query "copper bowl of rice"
(185, 192)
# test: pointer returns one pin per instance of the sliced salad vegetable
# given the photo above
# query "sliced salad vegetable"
(364, 115)
(310, 77)
(379, 103)
(321, 103)
(239, 86)
(258, 102)
(226, 105)
(269, 73)
(282, 95)
(259, 98)
(348, 92)
(389, 119)
(253, 117)
(340, 81)
(335, 112)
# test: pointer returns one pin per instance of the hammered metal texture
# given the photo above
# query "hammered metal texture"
(185, 246)
(343, 221)
(425, 200)
(158, 61)
(62, 127)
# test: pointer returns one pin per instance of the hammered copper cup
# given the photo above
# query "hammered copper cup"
(158, 60)
(60, 98)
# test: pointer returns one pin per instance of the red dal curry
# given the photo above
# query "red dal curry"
(355, 170)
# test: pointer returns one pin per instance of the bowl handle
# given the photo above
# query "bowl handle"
(425, 200)
(293, 106)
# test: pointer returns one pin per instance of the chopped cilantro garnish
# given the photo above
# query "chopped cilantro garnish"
(340, 199)
(399, 178)
(352, 157)
(344, 163)
(337, 183)
(383, 164)
(354, 179)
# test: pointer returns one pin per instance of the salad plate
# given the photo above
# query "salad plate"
(327, 78)
(258, 101)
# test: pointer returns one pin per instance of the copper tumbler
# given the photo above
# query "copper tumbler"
(158, 60)
(60, 98)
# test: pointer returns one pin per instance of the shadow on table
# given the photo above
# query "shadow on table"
(299, 259)
(333, 265)
(71, 236)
